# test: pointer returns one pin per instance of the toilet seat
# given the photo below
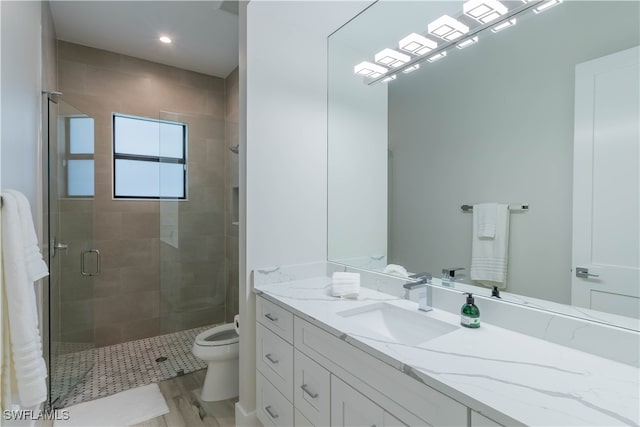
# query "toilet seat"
(218, 336)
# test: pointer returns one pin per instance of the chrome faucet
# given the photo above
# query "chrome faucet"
(449, 275)
(419, 291)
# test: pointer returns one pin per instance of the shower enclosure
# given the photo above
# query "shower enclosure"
(132, 268)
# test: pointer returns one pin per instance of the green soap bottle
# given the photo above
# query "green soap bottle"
(470, 313)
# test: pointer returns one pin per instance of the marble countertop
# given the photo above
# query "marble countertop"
(507, 376)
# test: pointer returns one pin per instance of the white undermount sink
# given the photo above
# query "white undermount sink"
(398, 324)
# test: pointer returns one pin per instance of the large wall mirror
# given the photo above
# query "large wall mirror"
(533, 109)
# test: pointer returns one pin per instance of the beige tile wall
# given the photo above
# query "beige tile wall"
(148, 287)
(231, 212)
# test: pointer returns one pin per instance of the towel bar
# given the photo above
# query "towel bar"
(512, 208)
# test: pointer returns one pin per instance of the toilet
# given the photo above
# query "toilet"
(219, 348)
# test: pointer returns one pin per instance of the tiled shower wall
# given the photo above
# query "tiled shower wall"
(232, 193)
(147, 286)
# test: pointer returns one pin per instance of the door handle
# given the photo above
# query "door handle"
(82, 262)
(57, 246)
(583, 273)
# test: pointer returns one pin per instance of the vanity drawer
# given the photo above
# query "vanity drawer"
(275, 318)
(274, 359)
(272, 408)
(311, 391)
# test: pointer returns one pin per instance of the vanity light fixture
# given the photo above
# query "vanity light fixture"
(410, 69)
(165, 39)
(416, 44)
(546, 6)
(453, 31)
(467, 42)
(447, 28)
(391, 58)
(437, 57)
(484, 10)
(368, 69)
(504, 25)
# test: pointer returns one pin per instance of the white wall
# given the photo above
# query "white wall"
(285, 147)
(20, 91)
(494, 123)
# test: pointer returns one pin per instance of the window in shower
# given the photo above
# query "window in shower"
(149, 158)
(79, 139)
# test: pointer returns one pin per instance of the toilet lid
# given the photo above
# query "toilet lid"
(221, 335)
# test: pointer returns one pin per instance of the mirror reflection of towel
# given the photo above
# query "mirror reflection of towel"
(489, 257)
(485, 215)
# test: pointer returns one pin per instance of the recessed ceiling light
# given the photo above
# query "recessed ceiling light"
(165, 39)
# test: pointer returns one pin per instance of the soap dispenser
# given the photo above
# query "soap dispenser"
(470, 313)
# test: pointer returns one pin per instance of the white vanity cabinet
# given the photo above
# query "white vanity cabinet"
(309, 377)
(350, 408)
(274, 364)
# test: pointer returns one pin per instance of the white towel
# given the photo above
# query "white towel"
(396, 270)
(345, 284)
(489, 257)
(485, 215)
(24, 371)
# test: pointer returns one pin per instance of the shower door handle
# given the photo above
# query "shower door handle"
(57, 246)
(83, 255)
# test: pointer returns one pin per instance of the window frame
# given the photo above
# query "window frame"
(152, 159)
(68, 155)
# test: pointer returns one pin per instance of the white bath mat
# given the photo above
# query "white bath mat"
(119, 410)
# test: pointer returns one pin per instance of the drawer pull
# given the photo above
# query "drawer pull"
(273, 414)
(271, 317)
(310, 393)
(270, 358)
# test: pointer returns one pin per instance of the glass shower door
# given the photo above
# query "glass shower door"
(73, 263)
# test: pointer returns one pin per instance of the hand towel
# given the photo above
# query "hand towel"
(489, 257)
(345, 284)
(485, 215)
(396, 270)
(24, 371)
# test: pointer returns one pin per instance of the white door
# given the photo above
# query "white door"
(606, 180)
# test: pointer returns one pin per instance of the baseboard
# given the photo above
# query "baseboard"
(244, 419)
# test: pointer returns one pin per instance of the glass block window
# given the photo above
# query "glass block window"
(149, 158)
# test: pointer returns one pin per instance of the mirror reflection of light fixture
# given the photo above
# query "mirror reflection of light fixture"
(416, 44)
(447, 28)
(546, 6)
(467, 42)
(391, 58)
(484, 10)
(368, 69)
(450, 30)
(410, 69)
(504, 25)
(437, 57)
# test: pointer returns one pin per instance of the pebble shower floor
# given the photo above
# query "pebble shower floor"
(124, 366)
